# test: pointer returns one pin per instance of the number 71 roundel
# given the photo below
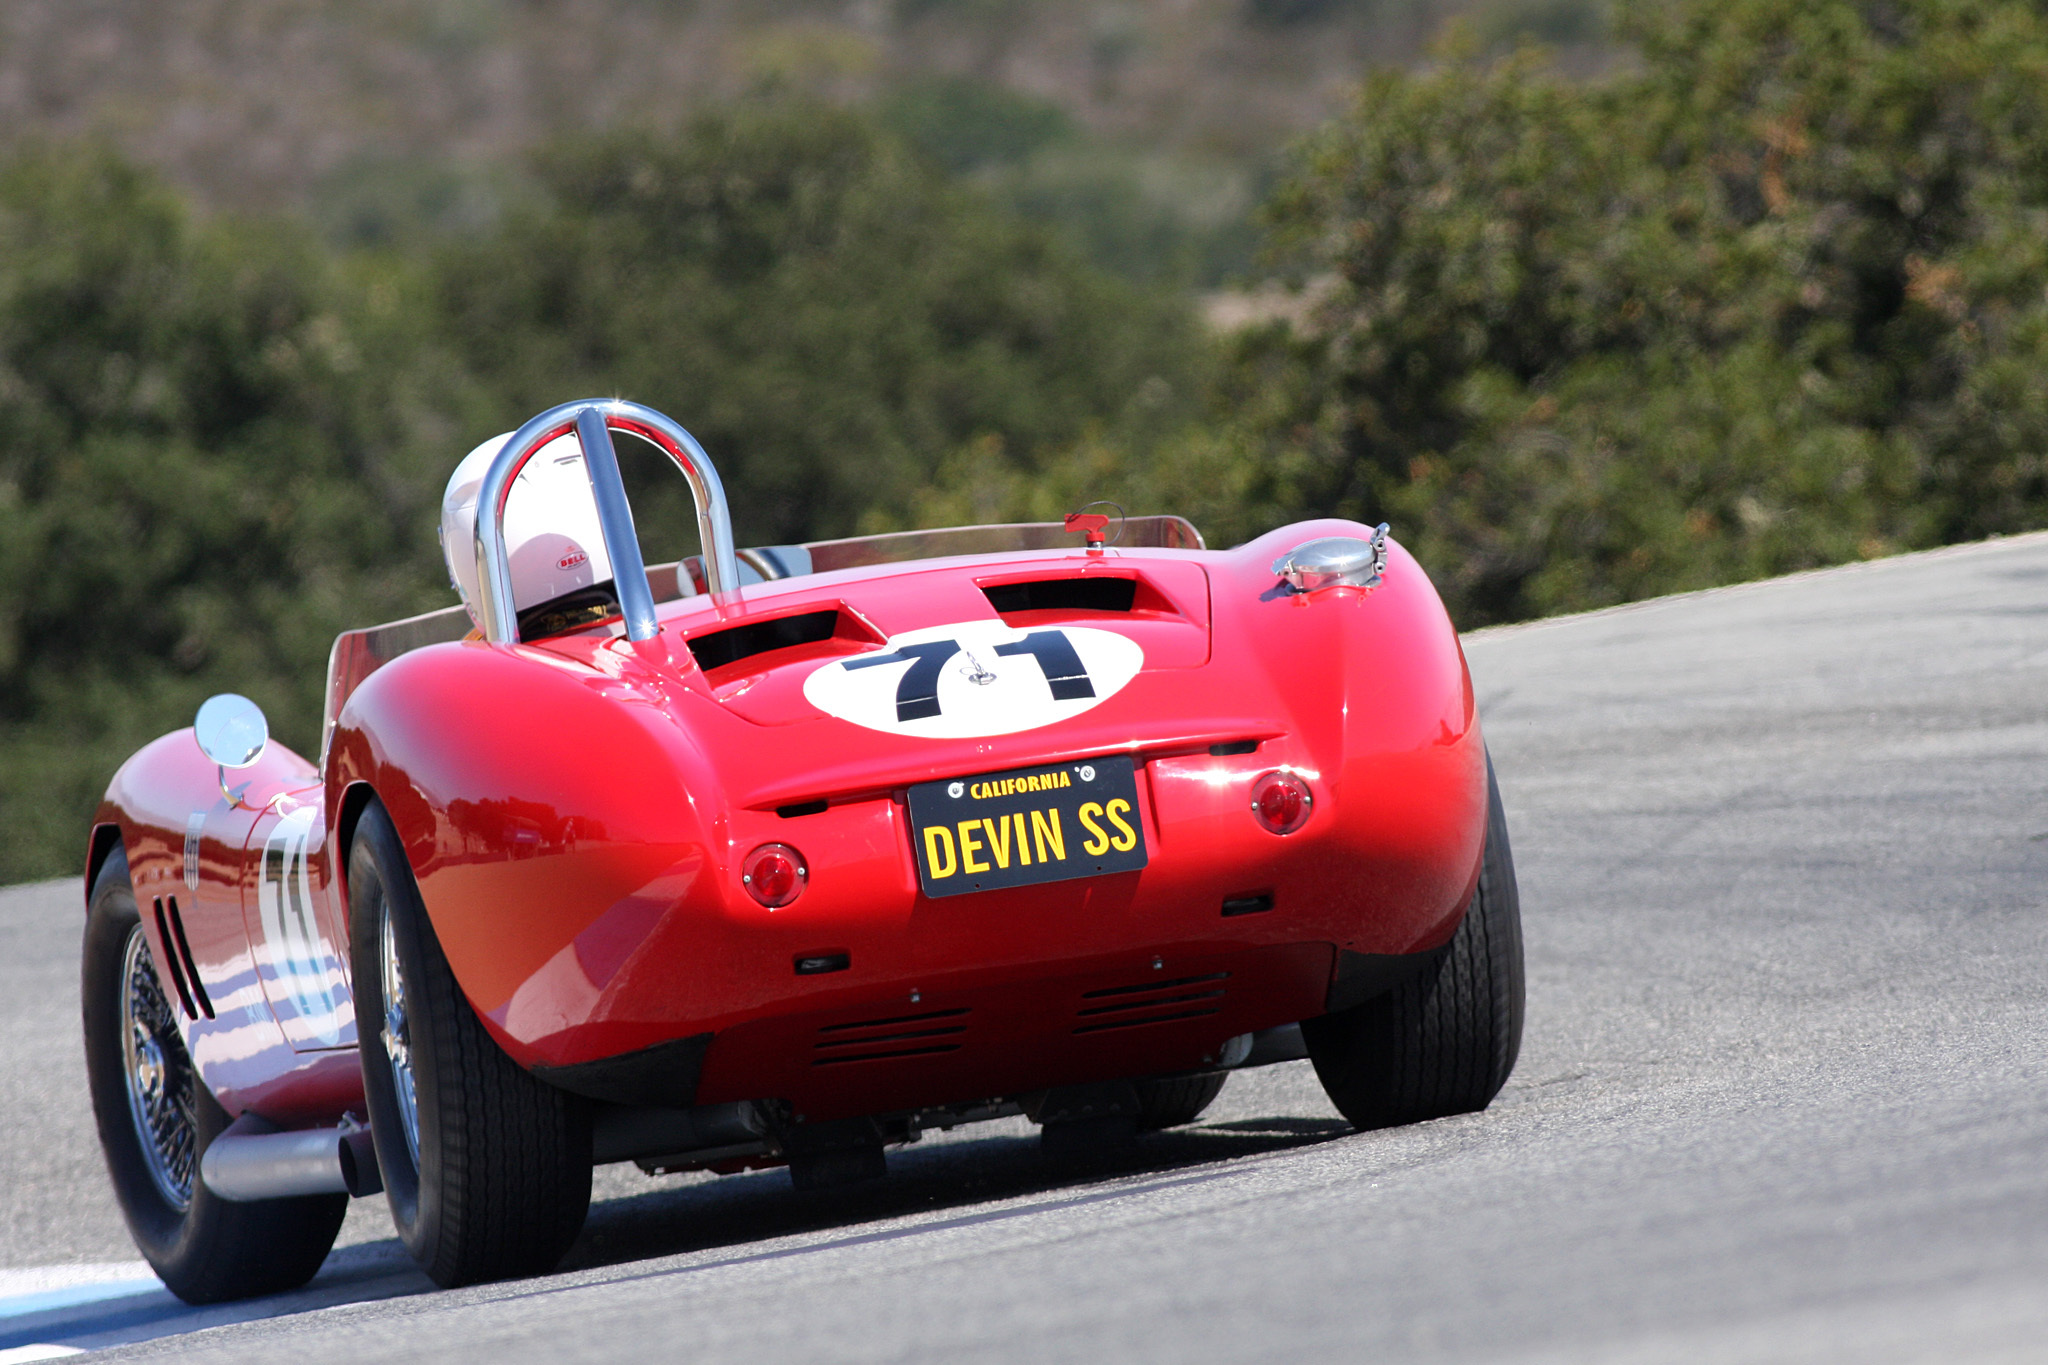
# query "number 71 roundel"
(976, 678)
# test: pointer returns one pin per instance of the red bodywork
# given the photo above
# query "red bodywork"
(577, 810)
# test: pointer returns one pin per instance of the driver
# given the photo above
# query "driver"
(561, 573)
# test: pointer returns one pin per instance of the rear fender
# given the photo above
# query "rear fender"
(1382, 719)
(555, 817)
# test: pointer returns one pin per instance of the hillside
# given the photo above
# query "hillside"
(360, 109)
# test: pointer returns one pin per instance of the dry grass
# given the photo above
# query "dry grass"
(261, 103)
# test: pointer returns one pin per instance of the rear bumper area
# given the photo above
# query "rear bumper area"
(981, 1036)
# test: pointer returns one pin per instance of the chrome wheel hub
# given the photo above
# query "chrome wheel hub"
(149, 1066)
(398, 1041)
(162, 1091)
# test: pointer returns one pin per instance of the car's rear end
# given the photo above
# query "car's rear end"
(936, 835)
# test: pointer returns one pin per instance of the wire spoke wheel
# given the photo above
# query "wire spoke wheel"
(397, 1037)
(161, 1098)
(156, 1117)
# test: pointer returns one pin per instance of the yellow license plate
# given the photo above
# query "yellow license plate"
(1026, 826)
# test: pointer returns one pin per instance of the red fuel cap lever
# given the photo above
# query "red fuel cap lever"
(1090, 524)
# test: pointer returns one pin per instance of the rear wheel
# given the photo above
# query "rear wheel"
(156, 1117)
(1444, 1041)
(486, 1168)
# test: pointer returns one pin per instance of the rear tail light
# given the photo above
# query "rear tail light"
(1281, 801)
(774, 874)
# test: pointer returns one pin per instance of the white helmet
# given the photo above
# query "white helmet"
(561, 572)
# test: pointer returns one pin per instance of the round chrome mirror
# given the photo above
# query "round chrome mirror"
(231, 730)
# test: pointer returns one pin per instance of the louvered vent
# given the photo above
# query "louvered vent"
(1155, 1002)
(878, 1040)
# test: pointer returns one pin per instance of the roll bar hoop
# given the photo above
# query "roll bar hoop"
(594, 420)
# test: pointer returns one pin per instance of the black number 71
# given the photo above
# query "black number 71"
(917, 691)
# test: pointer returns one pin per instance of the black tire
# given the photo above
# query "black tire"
(501, 1180)
(1444, 1041)
(1170, 1101)
(205, 1248)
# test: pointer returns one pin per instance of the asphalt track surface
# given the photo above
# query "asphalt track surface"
(1784, 1094)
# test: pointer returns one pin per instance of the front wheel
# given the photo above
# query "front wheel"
(156, 1117)
(486, 1168)
(1170, 1101)
(1444, 1041)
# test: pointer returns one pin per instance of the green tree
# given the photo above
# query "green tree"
(216, 451)
(1772, 297)
(822, 308)
(221, 444)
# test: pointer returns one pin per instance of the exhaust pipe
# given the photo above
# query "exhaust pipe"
(623, 1134)
(251, 1160)
(1270, 1045)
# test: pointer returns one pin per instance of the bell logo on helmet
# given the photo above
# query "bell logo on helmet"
(552, 539)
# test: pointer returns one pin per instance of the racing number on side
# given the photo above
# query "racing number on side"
(284, 863)
(285, 899)
(917, 692)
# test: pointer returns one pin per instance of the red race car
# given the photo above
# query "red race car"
(782, 856)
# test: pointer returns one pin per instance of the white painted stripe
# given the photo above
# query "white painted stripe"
(34, 1279)
(43, 1289)
(37, 1352)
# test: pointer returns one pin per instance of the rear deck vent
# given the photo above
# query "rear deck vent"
(1240, 746)
(818, 964)
(717, 648)
(1247, 905)
(1155, 1002)
(878, 1040)
(1093, 593)
(801, 808)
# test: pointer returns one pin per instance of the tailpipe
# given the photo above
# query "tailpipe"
(251, 1160)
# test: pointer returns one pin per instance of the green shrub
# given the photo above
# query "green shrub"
(216, 451)
(826, 312)
(1771, 298)
(221, 443)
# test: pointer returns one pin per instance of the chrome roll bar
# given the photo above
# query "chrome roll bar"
(594, 420)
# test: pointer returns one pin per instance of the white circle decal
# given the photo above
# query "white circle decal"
(976, 678)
